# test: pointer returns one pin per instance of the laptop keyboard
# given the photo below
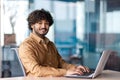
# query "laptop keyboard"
(86, 73)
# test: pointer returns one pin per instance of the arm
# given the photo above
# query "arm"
(62, 63)
(65, 65)
(71, 69)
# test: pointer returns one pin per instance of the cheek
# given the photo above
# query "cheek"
(47, 27)
(37, 27)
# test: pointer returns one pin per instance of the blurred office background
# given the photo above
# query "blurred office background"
(82, 29)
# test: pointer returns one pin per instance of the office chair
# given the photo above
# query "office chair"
(21, 65)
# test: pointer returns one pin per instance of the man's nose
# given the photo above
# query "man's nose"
(43, 25)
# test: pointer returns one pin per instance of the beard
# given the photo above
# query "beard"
(41, 32)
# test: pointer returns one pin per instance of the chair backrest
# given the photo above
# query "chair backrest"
(21, 65)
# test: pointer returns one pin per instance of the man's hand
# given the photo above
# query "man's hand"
(82, 68)
(78, 70)
(69, 72)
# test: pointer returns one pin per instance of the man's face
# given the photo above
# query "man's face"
(41, 28)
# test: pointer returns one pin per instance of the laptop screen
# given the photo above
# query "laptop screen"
(101, 64)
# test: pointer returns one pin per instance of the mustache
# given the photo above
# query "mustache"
(43, 29)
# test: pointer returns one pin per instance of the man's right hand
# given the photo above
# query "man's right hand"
(69, 72)
(80, 70)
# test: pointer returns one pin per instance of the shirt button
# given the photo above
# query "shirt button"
(49, 54)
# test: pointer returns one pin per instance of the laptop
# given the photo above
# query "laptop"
(100, 66)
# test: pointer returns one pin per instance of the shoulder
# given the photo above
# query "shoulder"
(28, 42)
(52, 43)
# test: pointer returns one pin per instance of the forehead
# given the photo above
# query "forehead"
(43, 20)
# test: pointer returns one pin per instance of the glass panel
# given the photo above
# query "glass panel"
(101, 29)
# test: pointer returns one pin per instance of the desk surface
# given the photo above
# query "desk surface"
(106, 75)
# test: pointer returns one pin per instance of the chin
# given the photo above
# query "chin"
(43, 34)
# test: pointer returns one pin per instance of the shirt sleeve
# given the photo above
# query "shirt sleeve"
(65, 65)
(62, 63)
(32, 68)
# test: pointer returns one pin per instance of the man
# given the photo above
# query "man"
(39, 55)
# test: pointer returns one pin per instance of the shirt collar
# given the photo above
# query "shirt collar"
(38, 39)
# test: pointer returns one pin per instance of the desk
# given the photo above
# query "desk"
(106, 75)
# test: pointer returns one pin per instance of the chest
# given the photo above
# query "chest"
(46, 55)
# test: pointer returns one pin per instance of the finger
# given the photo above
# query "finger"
(83, 68)
(78, 72)
(87, 69)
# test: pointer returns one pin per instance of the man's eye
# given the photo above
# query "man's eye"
(39, 23)
(47, 23)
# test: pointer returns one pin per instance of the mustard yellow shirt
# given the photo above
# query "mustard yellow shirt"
(41, 58)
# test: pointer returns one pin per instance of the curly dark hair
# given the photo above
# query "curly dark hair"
(38, 15)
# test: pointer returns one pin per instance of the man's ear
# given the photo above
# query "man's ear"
(32, 26)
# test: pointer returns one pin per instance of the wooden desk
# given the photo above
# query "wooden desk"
(106, 75)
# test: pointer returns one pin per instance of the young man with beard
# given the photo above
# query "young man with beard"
(39, 55)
